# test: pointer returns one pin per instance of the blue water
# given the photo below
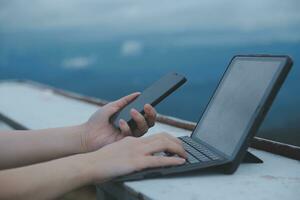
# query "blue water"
(113, 76)
(107, 49)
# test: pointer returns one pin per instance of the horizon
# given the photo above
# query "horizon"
(108, 49)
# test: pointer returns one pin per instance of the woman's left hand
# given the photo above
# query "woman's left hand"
(98, 131)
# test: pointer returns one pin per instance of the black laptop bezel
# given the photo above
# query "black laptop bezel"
(261, 111)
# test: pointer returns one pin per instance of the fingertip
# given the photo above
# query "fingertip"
(140, 121)
(181, 160)
(178, 160)
(136, 93)
(147, 106)
(133, 111)
(150, 110)
(121, 122)
(182, 153)
(171, 161)
(124, 127)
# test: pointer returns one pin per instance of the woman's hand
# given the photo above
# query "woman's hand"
(49, 180)
(98, 131)
(133, 154)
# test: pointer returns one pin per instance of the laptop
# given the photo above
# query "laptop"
(232, 117)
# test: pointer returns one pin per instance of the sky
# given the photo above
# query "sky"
(177, 22)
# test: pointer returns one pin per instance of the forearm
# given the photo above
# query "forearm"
(46, 180)
(19, 148)
(51, 179)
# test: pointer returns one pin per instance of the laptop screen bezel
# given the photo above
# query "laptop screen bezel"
(260, 106)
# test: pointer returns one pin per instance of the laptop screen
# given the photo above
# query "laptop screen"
(236, 100)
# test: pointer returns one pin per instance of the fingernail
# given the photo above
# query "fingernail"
(182, 160)
(134, 111)
(147, 106)
(122, 121)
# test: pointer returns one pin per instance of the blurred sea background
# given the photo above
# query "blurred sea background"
(107, 49)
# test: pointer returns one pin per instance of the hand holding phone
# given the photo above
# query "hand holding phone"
(152, 95)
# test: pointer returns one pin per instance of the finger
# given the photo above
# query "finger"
(125, 100)
(164, 144)
(150, 115)
(162, 161)
(174, 139)
(125, 129)
(140, 121)
(117, 105)
(166, 135)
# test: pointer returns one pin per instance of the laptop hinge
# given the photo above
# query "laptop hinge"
(251, 158)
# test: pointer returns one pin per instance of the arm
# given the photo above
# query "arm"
(47, 180)
(19, 148)
(51, 179)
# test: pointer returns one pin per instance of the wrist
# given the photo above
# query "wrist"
(85, 168)
(97, 168)
(81, 137)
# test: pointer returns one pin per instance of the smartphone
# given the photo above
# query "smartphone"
(152, 95)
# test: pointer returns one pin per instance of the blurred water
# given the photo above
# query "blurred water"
(76, 49)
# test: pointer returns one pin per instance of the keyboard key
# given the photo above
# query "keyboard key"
(201, 148)
(191, 159)
(195, 153)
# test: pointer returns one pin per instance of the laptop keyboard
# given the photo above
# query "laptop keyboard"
(197, 152)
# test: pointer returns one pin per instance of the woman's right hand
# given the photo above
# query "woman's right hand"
(49, 180)
(134, 154)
